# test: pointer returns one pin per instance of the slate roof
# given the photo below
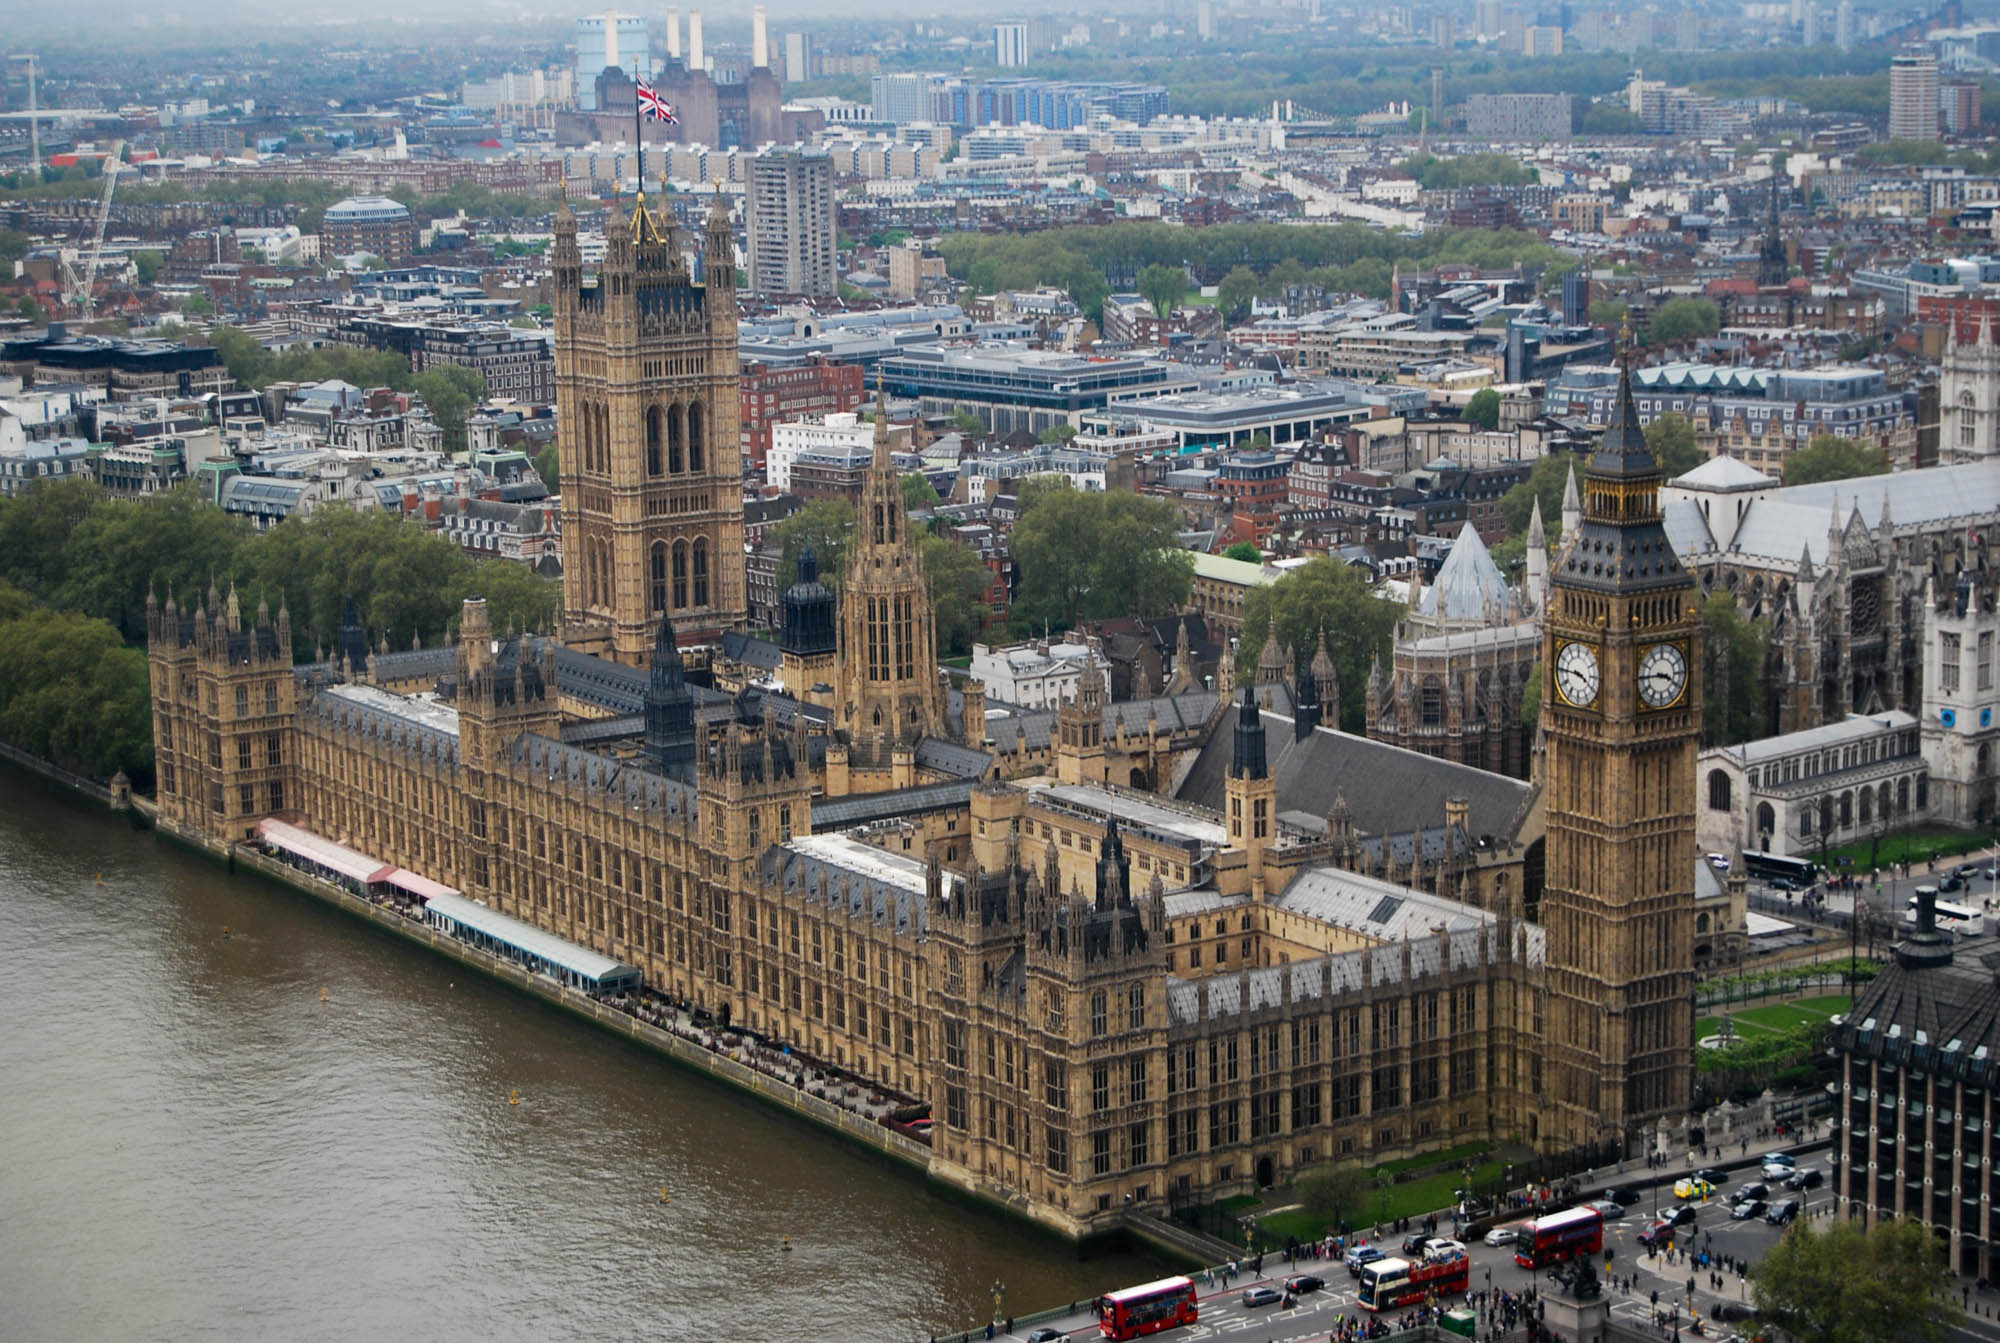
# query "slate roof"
(1930, 1014)
(631, 783)
(837, 872)
(377, 717)
(1177, 715)
(1389, 790)
(949, 757)
(845, 813)
(1350, 972)
(759, 653)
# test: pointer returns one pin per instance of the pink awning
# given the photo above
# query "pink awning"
(315, 849)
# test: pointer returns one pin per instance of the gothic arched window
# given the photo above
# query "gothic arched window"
(701, 571)
(676, 432)
(1968, 421)
(697, 439)
(659, 576)
(1718, 790)
(656, 433)
(680, 574)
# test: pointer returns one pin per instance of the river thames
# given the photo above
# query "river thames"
(194, 1145)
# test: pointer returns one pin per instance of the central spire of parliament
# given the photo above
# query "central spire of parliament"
(890, 697)
(646, 394)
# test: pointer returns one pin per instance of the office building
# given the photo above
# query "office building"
(605, 41)
(1960, 109)
(902, 98)
(791, 231)
(369, 225)
(1010, 45)
(798, 58)
(1913, 96)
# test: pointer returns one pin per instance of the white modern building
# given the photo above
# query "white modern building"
(1010, 45)
(844, 433)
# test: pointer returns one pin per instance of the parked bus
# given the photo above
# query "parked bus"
(1764, 866)
(1389, 1284)
(1147, 1309)
(1961, 919)
(1559, 1236)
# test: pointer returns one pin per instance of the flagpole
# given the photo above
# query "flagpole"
(639, 133)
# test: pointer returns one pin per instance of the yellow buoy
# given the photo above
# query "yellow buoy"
(788, 1243)
(514, 1098)
(663, 1195)
(100, 879)
(324, 996)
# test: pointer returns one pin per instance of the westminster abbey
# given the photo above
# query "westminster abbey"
(1113, 999)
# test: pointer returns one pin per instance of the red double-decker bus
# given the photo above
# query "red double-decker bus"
(1559, 1236)
(1389, 1284)
(1148, 1308)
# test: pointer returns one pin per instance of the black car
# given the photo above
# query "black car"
(1681, 1216)
(1947, 884)
(1413, 1244)
(1714, 1177)
(1808, 1178)
(1782, 884)
(1733, 1312)
(1783, 1213)
(1303, 1283)
(1755, 1189)
(1047, 1334)
(1625, 1195)
(1746, 1209)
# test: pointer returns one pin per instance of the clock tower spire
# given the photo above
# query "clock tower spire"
(1622, 713)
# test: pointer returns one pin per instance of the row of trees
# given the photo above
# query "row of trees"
(1089, 556)
(71, 547)
(1090, 262)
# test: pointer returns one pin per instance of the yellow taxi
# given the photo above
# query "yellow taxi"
(1692, 1188)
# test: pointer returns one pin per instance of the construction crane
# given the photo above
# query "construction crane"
(80, 274)
(34, 112)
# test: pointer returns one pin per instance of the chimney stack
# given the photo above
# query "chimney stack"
(760, 47)
(673, 32)
(695, 60)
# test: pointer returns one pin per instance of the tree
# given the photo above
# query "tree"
(1331, 1192)
(1831, 457)
(1547, 482)
(1323, 598)
(1163, 287)
(1734, 649)
(1057, 433)
(825, 525)
(450, 391)
(918, 492)
(1484, 409)
(1890, 1284)
(146, 263)
(1606, 312)
(1670, 438)
(966, 422)
(958, 581)
(1132, 565)
(1236, 290)
(1682, 319)
(246, 358)
(548, 465)
(1246, 551)
(71, 690)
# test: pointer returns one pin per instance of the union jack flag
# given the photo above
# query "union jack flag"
(654, 106)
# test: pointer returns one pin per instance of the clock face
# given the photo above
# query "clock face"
(1663, 676)
(1576, 675)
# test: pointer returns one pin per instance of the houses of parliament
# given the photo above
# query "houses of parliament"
(1113, 997)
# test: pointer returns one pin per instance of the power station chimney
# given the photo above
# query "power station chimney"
(760, 48)
(673, 32)
(695, 61)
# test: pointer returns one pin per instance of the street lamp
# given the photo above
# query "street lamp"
(999, 1294)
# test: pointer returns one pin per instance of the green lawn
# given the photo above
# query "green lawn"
(1775, 1018)
(1455, 1156)
(1918, 846)
(1412, 1198)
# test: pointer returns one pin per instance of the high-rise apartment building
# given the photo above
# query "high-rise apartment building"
(1010, 45)
(798, 58)
(791, 232)
(1913, 96)
(1843, 25)
(604, 40)
(1516, 117)
(903, 98)
(1960, 108)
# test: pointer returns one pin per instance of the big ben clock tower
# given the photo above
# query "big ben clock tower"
(1621, 706)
